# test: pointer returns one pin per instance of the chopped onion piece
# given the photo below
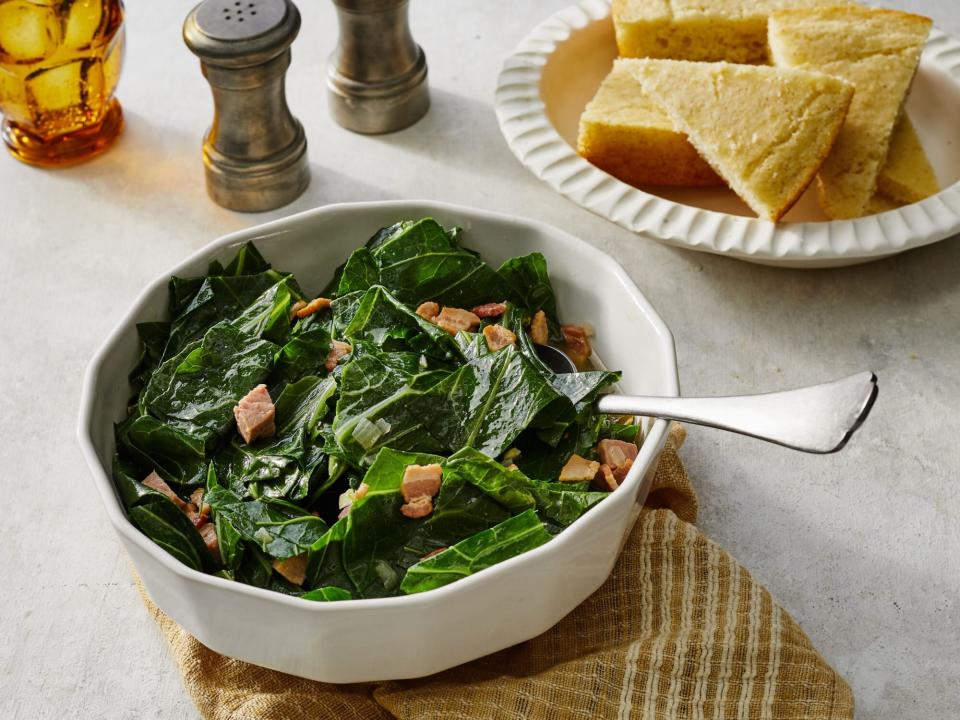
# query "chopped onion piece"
(366, 433)
(263, 536)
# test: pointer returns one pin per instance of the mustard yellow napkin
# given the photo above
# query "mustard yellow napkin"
(680, 630)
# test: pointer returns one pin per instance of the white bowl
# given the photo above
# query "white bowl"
(415, 635)
(557, 68)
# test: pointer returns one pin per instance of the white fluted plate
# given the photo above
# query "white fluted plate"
(544, 86)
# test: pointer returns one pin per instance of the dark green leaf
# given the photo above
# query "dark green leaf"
(460, 510)
(181, 292)
(155, 445)
(256, 568)
(420, 262)
(478, 552)
(376, 529)
(327, 593)
(229, 542)
(195, 391)
(488, 402)
(248, 261)
(507, 487)
(558, 504)
(379, 406)
(342, 310)
(305, 354)
(132, 491)
(325, 562)
(382, 321)
(216, 300)
(285, 464)
(384, 235)
(279, 528)
(530, 286)
(268, 316)
(153, 339)
(165, 524)
(543, 461)
(620, 431)
(360, 273)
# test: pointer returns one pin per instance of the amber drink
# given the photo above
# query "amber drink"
(60, 63)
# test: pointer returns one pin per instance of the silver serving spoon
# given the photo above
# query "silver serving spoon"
(815, 419)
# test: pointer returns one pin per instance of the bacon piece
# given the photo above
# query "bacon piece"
(315, 305)
(579, 469)
(619, 455)
(419, 486)
(198, 511)
(576, 343)
(433, 552)
(337, 350)
(490, 310)
(498, 337)
(155, 482)
(293, 569)
(604, 479)
(615, 453)
(421, 480)
(255, 415)
(417, 508)
(539, 332)
(621, 472)
(348, 498)
(297, 307)
(428, 311)
(209, 534)
(453, 320)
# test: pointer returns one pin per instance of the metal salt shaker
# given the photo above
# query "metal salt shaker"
(377, 76)
(255, 153)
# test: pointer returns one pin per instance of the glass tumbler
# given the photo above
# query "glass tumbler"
(60, 63)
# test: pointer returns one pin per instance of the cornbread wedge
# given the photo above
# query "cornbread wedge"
(907, 176)
(764, 130)
(881, 203)
(876, 50)
(624, 133)
(708, 30)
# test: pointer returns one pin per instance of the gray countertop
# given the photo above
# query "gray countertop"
(862, 548)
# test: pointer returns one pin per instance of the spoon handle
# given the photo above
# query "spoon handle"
(816, 419)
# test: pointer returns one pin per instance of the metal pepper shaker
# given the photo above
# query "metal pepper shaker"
(255, 152)
(377, 76)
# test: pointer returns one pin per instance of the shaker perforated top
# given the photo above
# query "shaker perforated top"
(239, 19)
(230, 30)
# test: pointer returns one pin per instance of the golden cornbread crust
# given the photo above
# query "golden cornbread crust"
(625, 134)
(880, 204)
(704, 30)
(907, 177)
(876, 50)
(765, 130)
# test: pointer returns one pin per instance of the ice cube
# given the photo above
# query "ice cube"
(112, 64)
(13, 99)
(83, 21)
(66, 97)
(29, 31)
